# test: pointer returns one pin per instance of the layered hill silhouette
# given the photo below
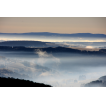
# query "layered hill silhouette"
(53, 50)
(48, 44)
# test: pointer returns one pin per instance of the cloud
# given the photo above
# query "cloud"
(22, 66)
(82, 77)
(45, 74)
(42, 53)
(9, 73)
(89, 47)
(2, 57)
(44, 57)
(80, 38)
(94, 40)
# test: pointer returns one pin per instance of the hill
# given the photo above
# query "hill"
(24, 43)
(12, 82)
(101, 82)
(54, 50)
(103, 78)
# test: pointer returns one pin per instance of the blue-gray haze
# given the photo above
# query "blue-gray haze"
(56, 69)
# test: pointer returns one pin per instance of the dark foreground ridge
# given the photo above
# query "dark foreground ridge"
(12, 82)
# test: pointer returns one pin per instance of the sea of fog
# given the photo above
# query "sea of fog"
(56, 69)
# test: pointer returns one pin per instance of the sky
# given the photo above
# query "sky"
(53, 24)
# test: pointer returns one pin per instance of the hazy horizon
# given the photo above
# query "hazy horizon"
(54, 37)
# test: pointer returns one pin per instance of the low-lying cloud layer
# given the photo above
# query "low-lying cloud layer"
(54, 37)
(56, 69)
(44, 57)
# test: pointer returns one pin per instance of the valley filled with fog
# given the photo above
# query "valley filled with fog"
(57, 59)
(56, 69)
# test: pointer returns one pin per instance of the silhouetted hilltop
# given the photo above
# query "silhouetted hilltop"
(101, 82)
(53, 50)
(103, 50)
(96, 83)
(11, 82)
(103, 78)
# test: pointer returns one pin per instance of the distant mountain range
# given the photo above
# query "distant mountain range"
(55, 34)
